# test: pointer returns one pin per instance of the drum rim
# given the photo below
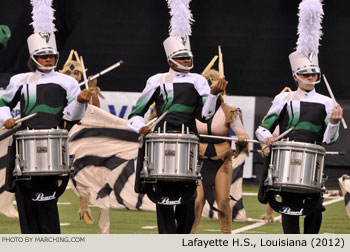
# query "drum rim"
(161, 177)
(298, 145)
(293, 187)
(37, 174)
(34, 132)
(171, 136)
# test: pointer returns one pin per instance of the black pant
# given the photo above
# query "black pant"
(175, 221)
(312, 222)
(37, 205)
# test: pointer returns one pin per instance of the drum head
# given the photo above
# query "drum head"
(171, 193)
(297, 204)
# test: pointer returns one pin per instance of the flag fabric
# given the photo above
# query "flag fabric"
(238, 211)
(104, 152)
(6, 198)
(344, 183)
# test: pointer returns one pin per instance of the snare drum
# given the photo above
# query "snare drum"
(171, 156)
(296, 167)
(41, 152)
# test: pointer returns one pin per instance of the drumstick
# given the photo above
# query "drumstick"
(18, 120)
(156, 121)
(86, 81)
(221, 64)
(104, 71)
(333, 98)
(229, 138)
(210, 65)
(150, 122)
(280, 136)
(342, 153)
(84, 73)
(284, 133)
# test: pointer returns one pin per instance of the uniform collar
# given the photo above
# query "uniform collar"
(177, 74)
(42, 74)
(306, 94)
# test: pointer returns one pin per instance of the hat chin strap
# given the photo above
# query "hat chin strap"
(308, 82)
(41, 67)
(179, 66)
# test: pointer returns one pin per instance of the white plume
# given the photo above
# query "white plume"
(309, 28)
(181, 18)
(43, 16)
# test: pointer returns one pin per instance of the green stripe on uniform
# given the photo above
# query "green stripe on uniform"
(181, 108)
(46, 109)
(269, 121)
(307, 126)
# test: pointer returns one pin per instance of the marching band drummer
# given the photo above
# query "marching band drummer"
(314, 116)
(53, 96)
(216, 158)
(182, 94)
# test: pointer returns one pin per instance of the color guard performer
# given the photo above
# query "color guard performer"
(74, 69)
(216, 156)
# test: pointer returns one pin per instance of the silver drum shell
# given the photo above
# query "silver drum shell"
(296, 167)
(41, 152)
(171, 156)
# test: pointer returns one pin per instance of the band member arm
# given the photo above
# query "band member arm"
(237, 126)
(332, 133)
(74, 111)
(10, 99)
(208, 109)
(262, 134)
(5, 114)
(136, 123)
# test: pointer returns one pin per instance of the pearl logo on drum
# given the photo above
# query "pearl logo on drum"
(41, 197)
(167, 201)
(41, 149)
(287, 210)
(295, 161)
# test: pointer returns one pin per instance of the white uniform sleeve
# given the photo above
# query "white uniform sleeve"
(74, 110)
(331, 134)
(332, 131)
(136, 119)
(208, 109)
(209, 101)
(5, 114)
(136, 123)
(7, 100)
(263, 132)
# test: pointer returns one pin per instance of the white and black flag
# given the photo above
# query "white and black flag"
(6, 198)
(104, 152)
(344, 183)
